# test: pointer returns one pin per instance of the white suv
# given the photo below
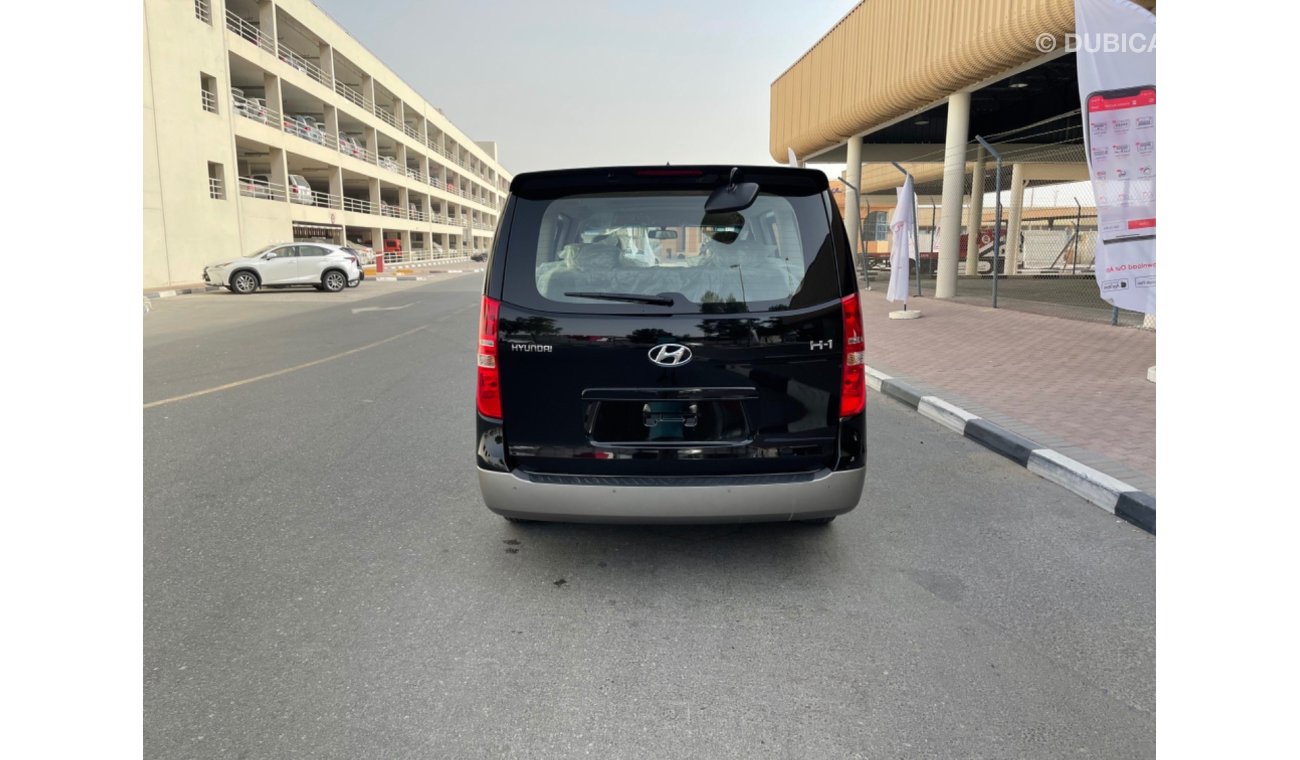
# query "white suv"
(300, 190)
(324, 266)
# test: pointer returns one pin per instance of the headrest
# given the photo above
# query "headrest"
(603, 254)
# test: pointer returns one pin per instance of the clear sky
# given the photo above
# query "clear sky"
(562, 83)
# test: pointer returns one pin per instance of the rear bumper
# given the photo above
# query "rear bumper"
(825, 494)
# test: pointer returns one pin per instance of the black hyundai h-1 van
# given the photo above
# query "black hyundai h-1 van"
(671, 344)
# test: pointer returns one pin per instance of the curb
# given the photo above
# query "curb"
(420, 277)
(1111, 494)
(180, 291)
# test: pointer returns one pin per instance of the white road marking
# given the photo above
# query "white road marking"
(381, 308)
(277, 373)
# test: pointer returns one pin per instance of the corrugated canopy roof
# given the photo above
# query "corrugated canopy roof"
(889, 58)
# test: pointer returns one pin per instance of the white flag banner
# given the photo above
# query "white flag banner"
(1115, 44)
(902, 243)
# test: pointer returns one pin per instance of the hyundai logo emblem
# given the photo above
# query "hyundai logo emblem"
(670, 355)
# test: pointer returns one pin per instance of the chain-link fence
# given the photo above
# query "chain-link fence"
(1038, 256)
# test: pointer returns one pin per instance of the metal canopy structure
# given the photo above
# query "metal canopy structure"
(1008, 109)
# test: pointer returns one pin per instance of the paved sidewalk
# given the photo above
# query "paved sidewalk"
(1078, 387)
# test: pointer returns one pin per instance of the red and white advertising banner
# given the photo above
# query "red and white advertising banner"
(1115, 45)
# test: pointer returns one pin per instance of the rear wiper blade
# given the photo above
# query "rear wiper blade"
(628, 297)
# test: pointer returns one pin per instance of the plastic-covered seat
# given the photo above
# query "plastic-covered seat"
(753, 272)
(738, 272)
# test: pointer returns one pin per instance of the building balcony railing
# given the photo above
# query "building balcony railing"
(388, 209)
(308, 130)
(359, 205)
(418, 255)
(386, 117)
(352, 95)
(260, 188)
(216, 190)
(326, 200)
(254, 108)
(253, 33)
(203, 11)
(209, 100)
(249, 31)
(418, 216)
(350, 146)
(302, 64)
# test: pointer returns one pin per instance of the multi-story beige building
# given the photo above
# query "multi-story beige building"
(264, 121)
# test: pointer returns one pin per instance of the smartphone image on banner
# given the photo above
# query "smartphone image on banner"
(1122, 158)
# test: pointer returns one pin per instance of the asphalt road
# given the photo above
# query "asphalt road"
(322, 581)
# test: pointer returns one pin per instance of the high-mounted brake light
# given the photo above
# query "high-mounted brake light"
(853, 374)
(489, 377)
(669, 173)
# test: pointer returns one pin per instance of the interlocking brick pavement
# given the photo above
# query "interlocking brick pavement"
(1078, 387)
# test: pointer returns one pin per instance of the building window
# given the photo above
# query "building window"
(876, 226)
(203, 11)
(208, 92)
(216, 181)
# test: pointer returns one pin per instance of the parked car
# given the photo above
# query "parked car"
(315, 130)
(304, 126)
(365, 254)
(257, 186)
(322, 265)
(356, 258)
(253, 108)
(727, 387)
(259, 110)
(351, 145)
(300, 190)
(478, 256)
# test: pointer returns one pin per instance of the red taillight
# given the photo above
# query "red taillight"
(853, 375)
(489, 379)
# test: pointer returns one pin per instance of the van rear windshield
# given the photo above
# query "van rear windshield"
(658, 251)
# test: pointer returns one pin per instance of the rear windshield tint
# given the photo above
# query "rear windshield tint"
(584, 252)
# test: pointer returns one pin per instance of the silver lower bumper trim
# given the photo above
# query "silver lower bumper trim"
(827, 494)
